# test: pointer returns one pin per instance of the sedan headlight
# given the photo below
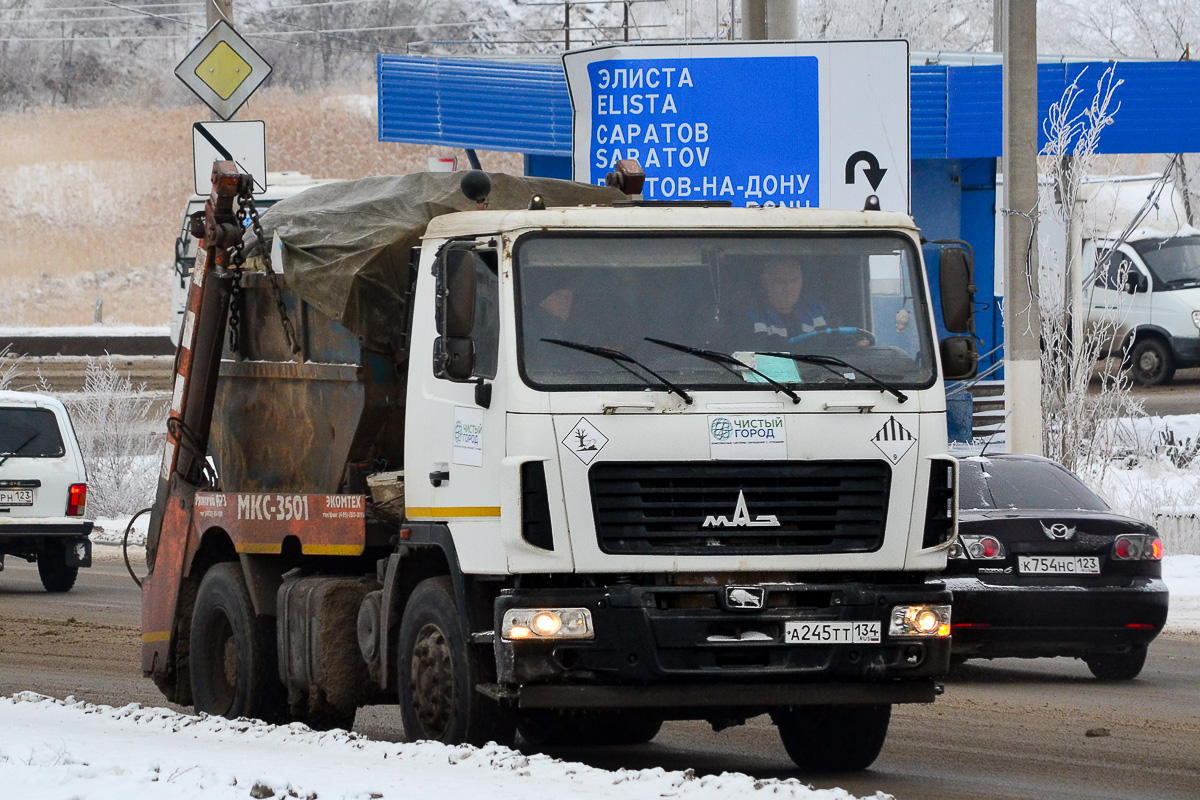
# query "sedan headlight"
(1196, 318)
(933, 620)
(547, 623)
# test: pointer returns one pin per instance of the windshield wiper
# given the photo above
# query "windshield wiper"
(6, 456)
(621, 359)
(727, 361)
(828, 361)
(1182, 283)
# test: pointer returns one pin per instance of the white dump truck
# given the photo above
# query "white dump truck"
(528, 456)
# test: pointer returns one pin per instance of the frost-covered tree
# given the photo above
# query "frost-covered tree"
(1078, 417)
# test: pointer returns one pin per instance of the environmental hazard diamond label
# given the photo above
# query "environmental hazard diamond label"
(585, 440)
(894, 440)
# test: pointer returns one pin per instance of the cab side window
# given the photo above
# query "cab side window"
(1114, 274)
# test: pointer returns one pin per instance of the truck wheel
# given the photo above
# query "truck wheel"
(833, 738)
(437, 672)
(1117, 666)
(53, 570)
(1151, 362)
(587, 730)
(232, 651)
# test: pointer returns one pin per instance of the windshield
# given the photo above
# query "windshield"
(856, 296)
(29, 433)
(1000, 483)
(1174, 263)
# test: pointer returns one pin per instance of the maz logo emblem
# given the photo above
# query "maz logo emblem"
(1057, 530)
(741, 518)
(745, 596)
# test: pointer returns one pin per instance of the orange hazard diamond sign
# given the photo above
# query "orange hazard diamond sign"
(223, 70)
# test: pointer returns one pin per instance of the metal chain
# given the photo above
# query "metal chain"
(289, 332)
(235, 312)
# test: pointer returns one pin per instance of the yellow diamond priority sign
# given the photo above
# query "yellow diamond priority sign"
(223, 70)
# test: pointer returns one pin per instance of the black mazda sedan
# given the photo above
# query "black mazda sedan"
(1042, 568)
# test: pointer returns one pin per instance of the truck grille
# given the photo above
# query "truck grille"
(740, 508)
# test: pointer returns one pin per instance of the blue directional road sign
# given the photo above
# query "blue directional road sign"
(796, 124)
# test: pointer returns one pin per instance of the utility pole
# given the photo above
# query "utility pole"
(1022, 322)
(770, 19)
(217, 10)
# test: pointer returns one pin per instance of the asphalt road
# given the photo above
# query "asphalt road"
(1006, 729)
(1180, 396)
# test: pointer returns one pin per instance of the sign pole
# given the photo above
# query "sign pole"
(770, 19)
(1022, 321)
(218, 10)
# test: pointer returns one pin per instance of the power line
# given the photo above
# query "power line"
(103, 8)
(81, 19)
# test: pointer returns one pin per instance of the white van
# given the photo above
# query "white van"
(1140, 271)
(1149, 286)
(43, 489)
(280, 186)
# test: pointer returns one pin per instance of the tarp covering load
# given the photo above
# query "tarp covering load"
(346, 246)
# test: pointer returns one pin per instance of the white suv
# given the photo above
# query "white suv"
(43, 489)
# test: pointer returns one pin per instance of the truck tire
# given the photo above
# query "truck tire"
(53, 570)
(1150, 362)
(587, 730)
(437, 672)
(833, 738)
(1117, 666)
(232, 651)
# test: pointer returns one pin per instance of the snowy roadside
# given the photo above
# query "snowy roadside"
(53, 749)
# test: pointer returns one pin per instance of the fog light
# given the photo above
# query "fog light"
(547, 623)
(932, 620)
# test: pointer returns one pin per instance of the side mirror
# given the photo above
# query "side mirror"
(960, 358)
(1136, 282)
(454, 350)
(455, 293)
(182, 265)
(957, 284)
(454, 358)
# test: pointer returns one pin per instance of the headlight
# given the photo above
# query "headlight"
(1196, 318)
(547, 623)
(920, 621)
(983, 548)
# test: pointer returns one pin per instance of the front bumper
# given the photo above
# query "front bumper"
(993, 621)
(1186, 350)
(678, 647)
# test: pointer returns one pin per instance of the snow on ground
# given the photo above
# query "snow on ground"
(65, 750)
